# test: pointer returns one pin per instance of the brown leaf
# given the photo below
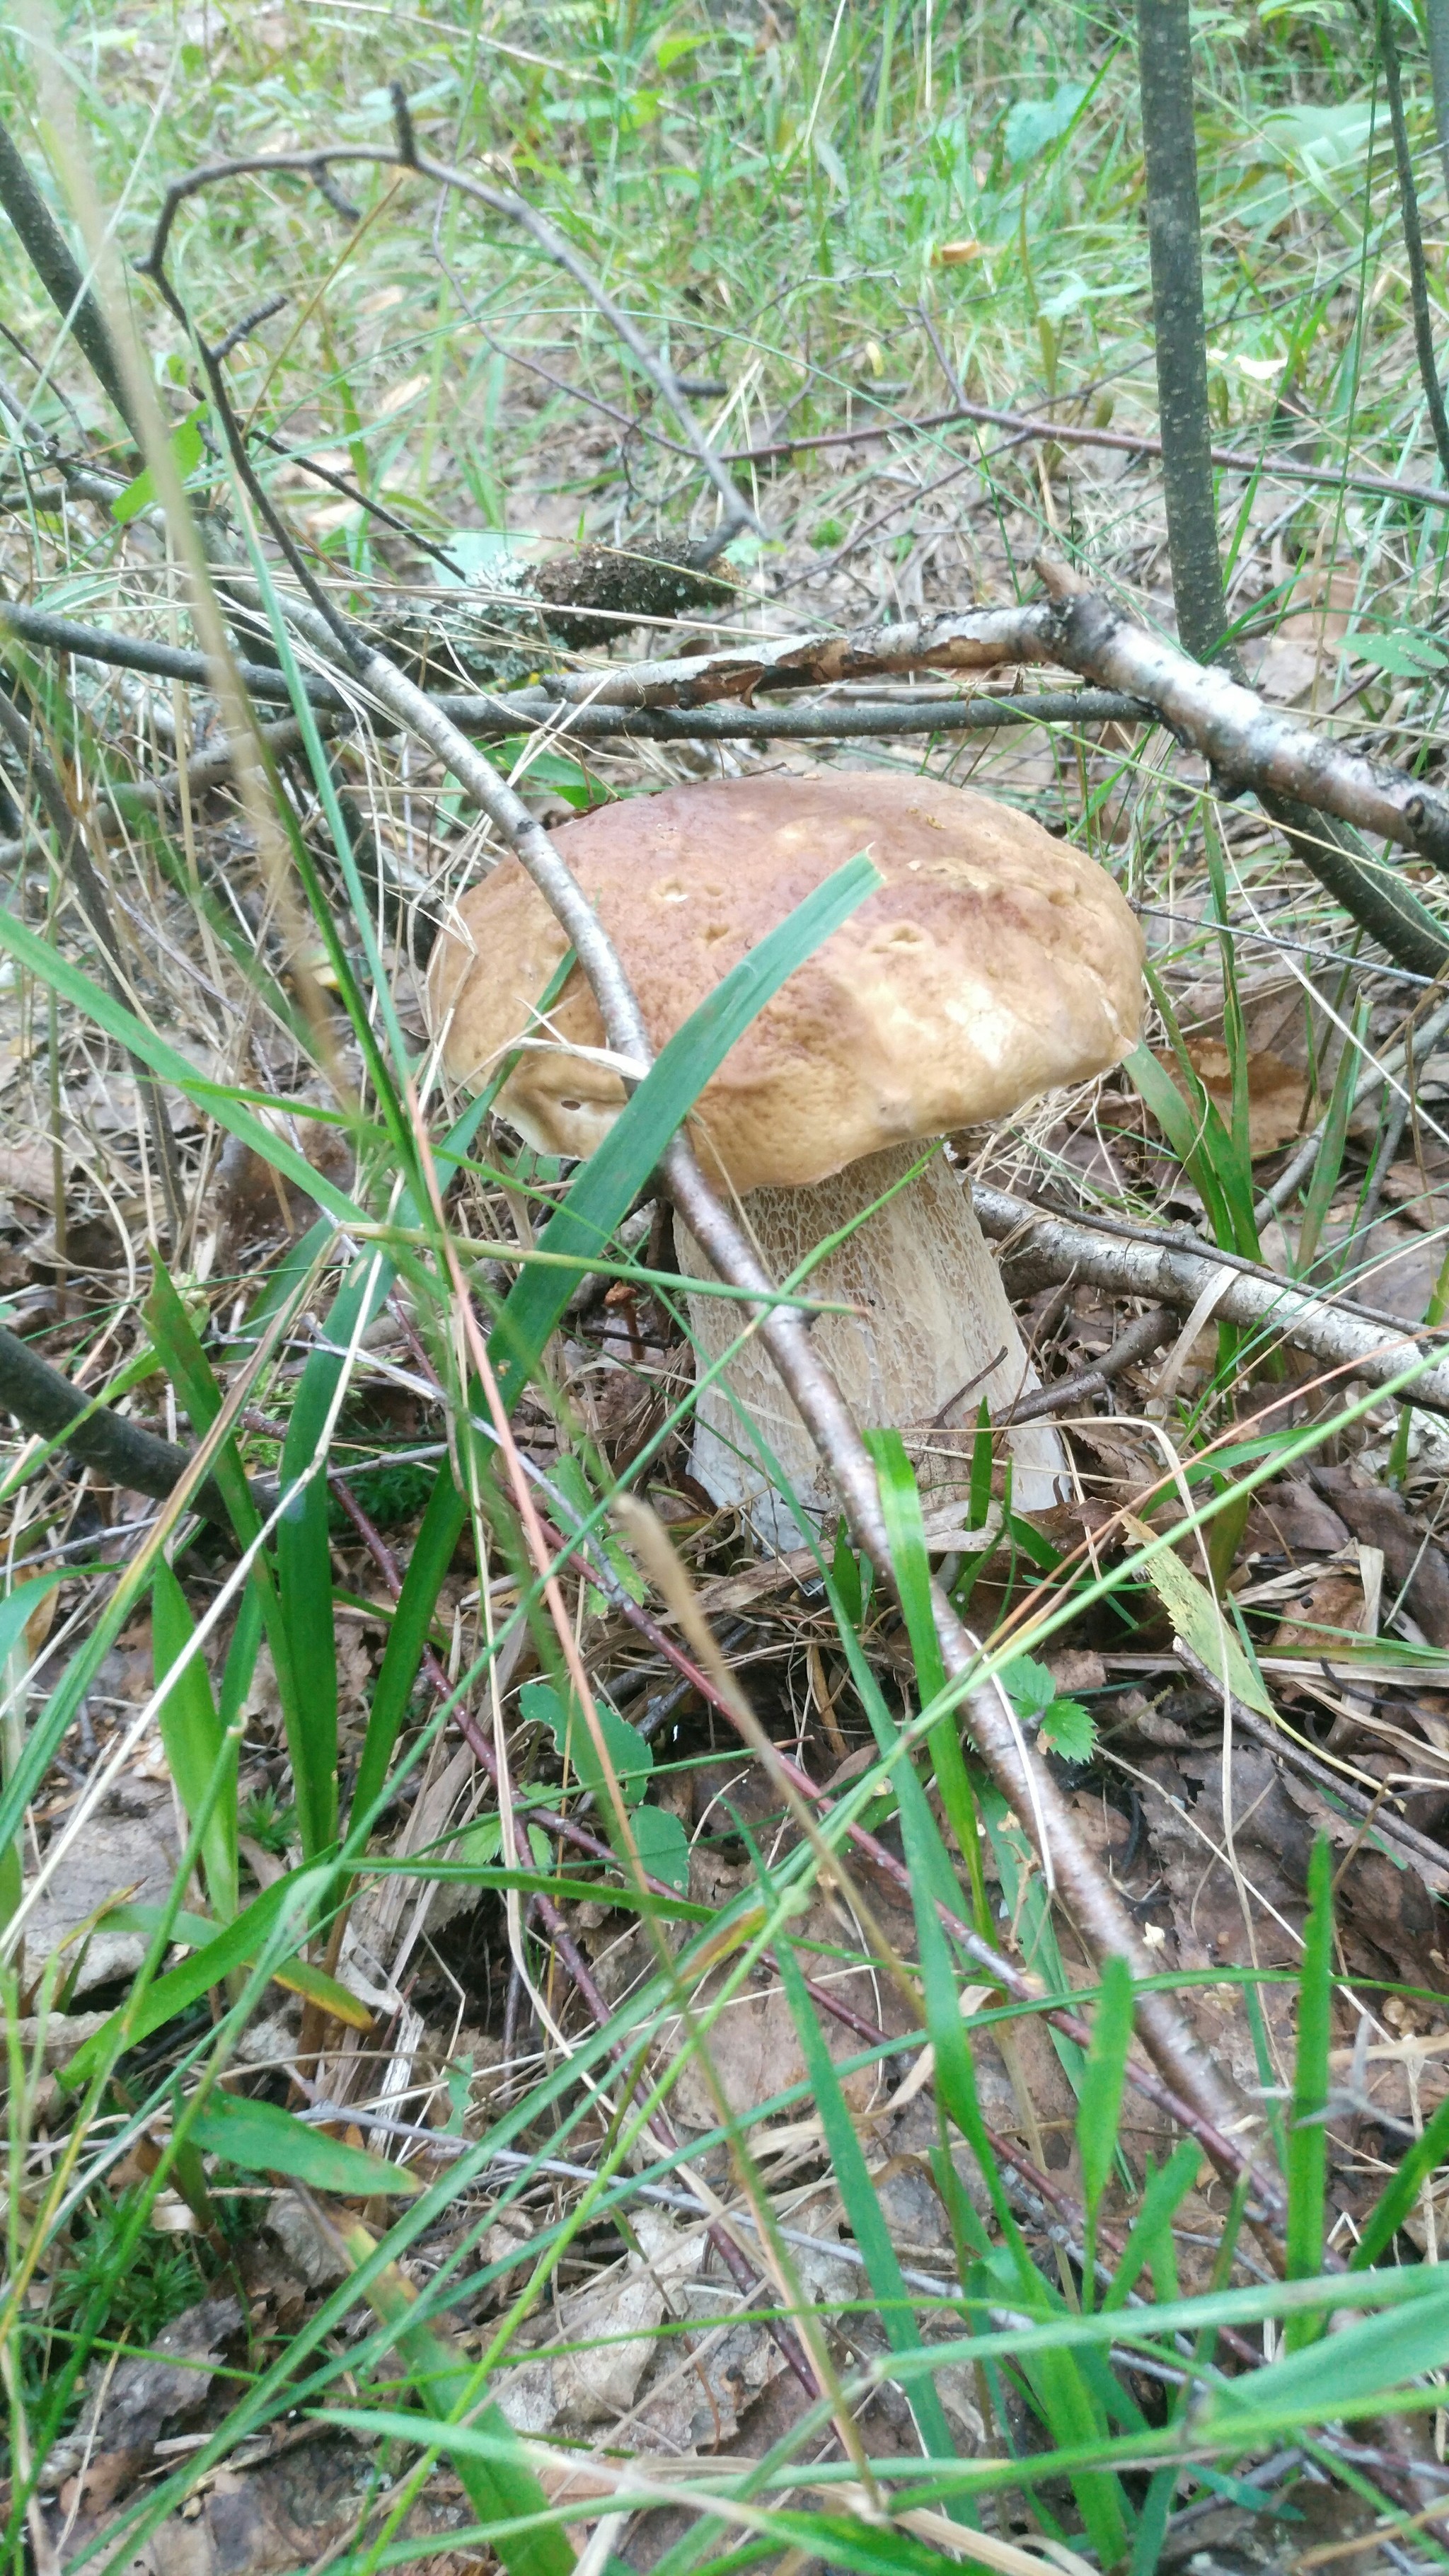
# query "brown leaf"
(128, 2408)
(1411, 1562)
(1276, 1092)
(1318, 1626)
(128, 1847)
(290, 2511)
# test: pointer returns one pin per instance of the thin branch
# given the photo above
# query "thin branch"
(1053, 1247)
(1129, 442)
(46, 1405)
(1145, 1333)
(1174, 236)
(1427, 1854)
(49, 254)
(488, 713)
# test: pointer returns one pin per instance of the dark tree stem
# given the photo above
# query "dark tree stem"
(1174, 235)
(49, 254)
(1331, 852)
(1436, 21)
(1413, 237)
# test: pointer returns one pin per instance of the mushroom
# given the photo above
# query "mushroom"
(994, 963)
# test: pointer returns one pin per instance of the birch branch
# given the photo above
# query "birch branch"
(1053, 1247)
(1248, 743)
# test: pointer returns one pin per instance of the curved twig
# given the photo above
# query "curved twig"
(317, 165)
(45, 1403)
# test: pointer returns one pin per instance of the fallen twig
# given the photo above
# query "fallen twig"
(1063, 1247)
(1145, 1333)
(1129, 442)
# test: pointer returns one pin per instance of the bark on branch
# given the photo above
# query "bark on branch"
(1053, 1247)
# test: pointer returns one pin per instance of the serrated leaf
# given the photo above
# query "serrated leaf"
(1067, 1729)
(260, 2137)
(1028, 1684)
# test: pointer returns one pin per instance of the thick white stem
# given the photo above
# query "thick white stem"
(934, 1335)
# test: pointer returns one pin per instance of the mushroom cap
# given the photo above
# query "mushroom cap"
(992, 964)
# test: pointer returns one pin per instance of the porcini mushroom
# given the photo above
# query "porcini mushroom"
(994, 963)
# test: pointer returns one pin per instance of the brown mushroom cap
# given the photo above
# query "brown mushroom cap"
(992, 964)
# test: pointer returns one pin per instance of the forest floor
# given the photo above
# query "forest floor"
(663, 2177)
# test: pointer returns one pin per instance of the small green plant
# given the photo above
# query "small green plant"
(157, 2281)
(1063, 1726)
(827, 533)
(265, 1820)
(390, 1496)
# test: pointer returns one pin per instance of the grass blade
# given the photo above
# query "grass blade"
(194, 1738)
(1394, 2204)
(213, 1099)
(304, 1559)
(861, 2202)
(501, 2486)
(442, 1527)
(1099, 2101)
(1307, 2129)
(262, 2138)
(906, 1530)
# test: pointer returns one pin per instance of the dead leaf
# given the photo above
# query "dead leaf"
(27, 1172)
(129, 1848)
(1077, 1669)
(1412, 1563)
(1290, 1520)
(128, 2406)
(1316, 1628)
(1303, 649)
(1276, 1092)
(292, 2510)
(754, 2047)
(312, 2255)
(612, 2329)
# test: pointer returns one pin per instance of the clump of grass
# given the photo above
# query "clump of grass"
(139, 2292)
(264, 1819)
